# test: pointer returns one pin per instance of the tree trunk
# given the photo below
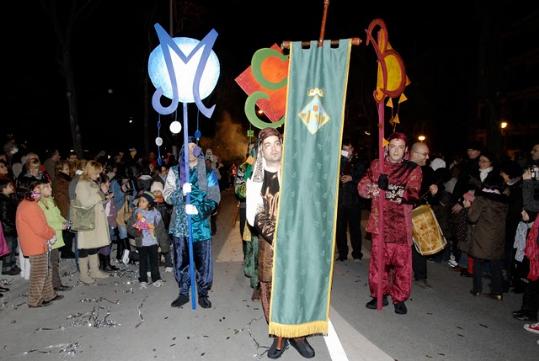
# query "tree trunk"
(146, 116)
(71, 95)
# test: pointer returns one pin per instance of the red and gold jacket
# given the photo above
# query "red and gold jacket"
(403, 190)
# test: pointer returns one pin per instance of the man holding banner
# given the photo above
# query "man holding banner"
(262, 204)
(401, 182)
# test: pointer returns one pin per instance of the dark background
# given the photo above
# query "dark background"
(472, 64)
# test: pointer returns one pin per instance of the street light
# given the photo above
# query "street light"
(504, 124)
(421, 138)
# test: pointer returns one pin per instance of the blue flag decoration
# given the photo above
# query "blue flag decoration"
(306, 220)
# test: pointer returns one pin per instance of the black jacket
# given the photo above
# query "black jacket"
(348, 194)
(8, 209)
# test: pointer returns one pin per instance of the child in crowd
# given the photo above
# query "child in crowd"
(59, 224)
(165, 210)
(146, 225)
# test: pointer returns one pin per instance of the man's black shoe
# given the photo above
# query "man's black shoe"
(372, 303)
(273, 352)
(400, 308)
(204, 302)
(302, 346)
(342, 258)
(524, 316)
(180, 301)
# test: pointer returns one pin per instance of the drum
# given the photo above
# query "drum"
(426, 232)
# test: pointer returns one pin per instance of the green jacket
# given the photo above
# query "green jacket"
(54, 219)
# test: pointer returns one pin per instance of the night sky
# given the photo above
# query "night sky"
(112, 40)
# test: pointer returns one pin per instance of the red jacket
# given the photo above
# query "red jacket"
(404, 185)
(32, 228)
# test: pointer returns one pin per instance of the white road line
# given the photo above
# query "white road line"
(358, 347)
(333, 343)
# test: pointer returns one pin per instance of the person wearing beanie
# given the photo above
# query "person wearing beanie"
(146, 226)
(156, 187)
(437, 163)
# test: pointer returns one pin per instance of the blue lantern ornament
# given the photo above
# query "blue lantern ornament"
(198, 134)
(183, 70)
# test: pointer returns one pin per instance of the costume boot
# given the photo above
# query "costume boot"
(95, 272)
(83, 266)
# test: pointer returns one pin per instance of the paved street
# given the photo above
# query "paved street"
(115, 320)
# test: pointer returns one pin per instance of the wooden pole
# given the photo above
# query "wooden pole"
(286, 44)
(323, 25)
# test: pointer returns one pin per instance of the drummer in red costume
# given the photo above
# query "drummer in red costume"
(401, 182)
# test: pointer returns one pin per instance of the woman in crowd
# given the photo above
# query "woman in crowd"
(60, 190)
(88, 195)
(35, 237)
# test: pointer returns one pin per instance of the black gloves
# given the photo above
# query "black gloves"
(383, 182)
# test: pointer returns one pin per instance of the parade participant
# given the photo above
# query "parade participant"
(204, 197)
(247, 232)
(262, 204)
(400, 181)
(419, 154)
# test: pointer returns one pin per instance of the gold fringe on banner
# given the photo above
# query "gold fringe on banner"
(298, 330)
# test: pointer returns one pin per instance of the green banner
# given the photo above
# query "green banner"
(306, 222)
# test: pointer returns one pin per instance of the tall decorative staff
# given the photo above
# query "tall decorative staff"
(390, 83)
(184, 70)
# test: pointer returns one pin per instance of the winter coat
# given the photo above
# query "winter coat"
(348, 195)
(487, 216)
(89, 195)
(8, 209)
(60, 190)
(54, 219)
(530, 195)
